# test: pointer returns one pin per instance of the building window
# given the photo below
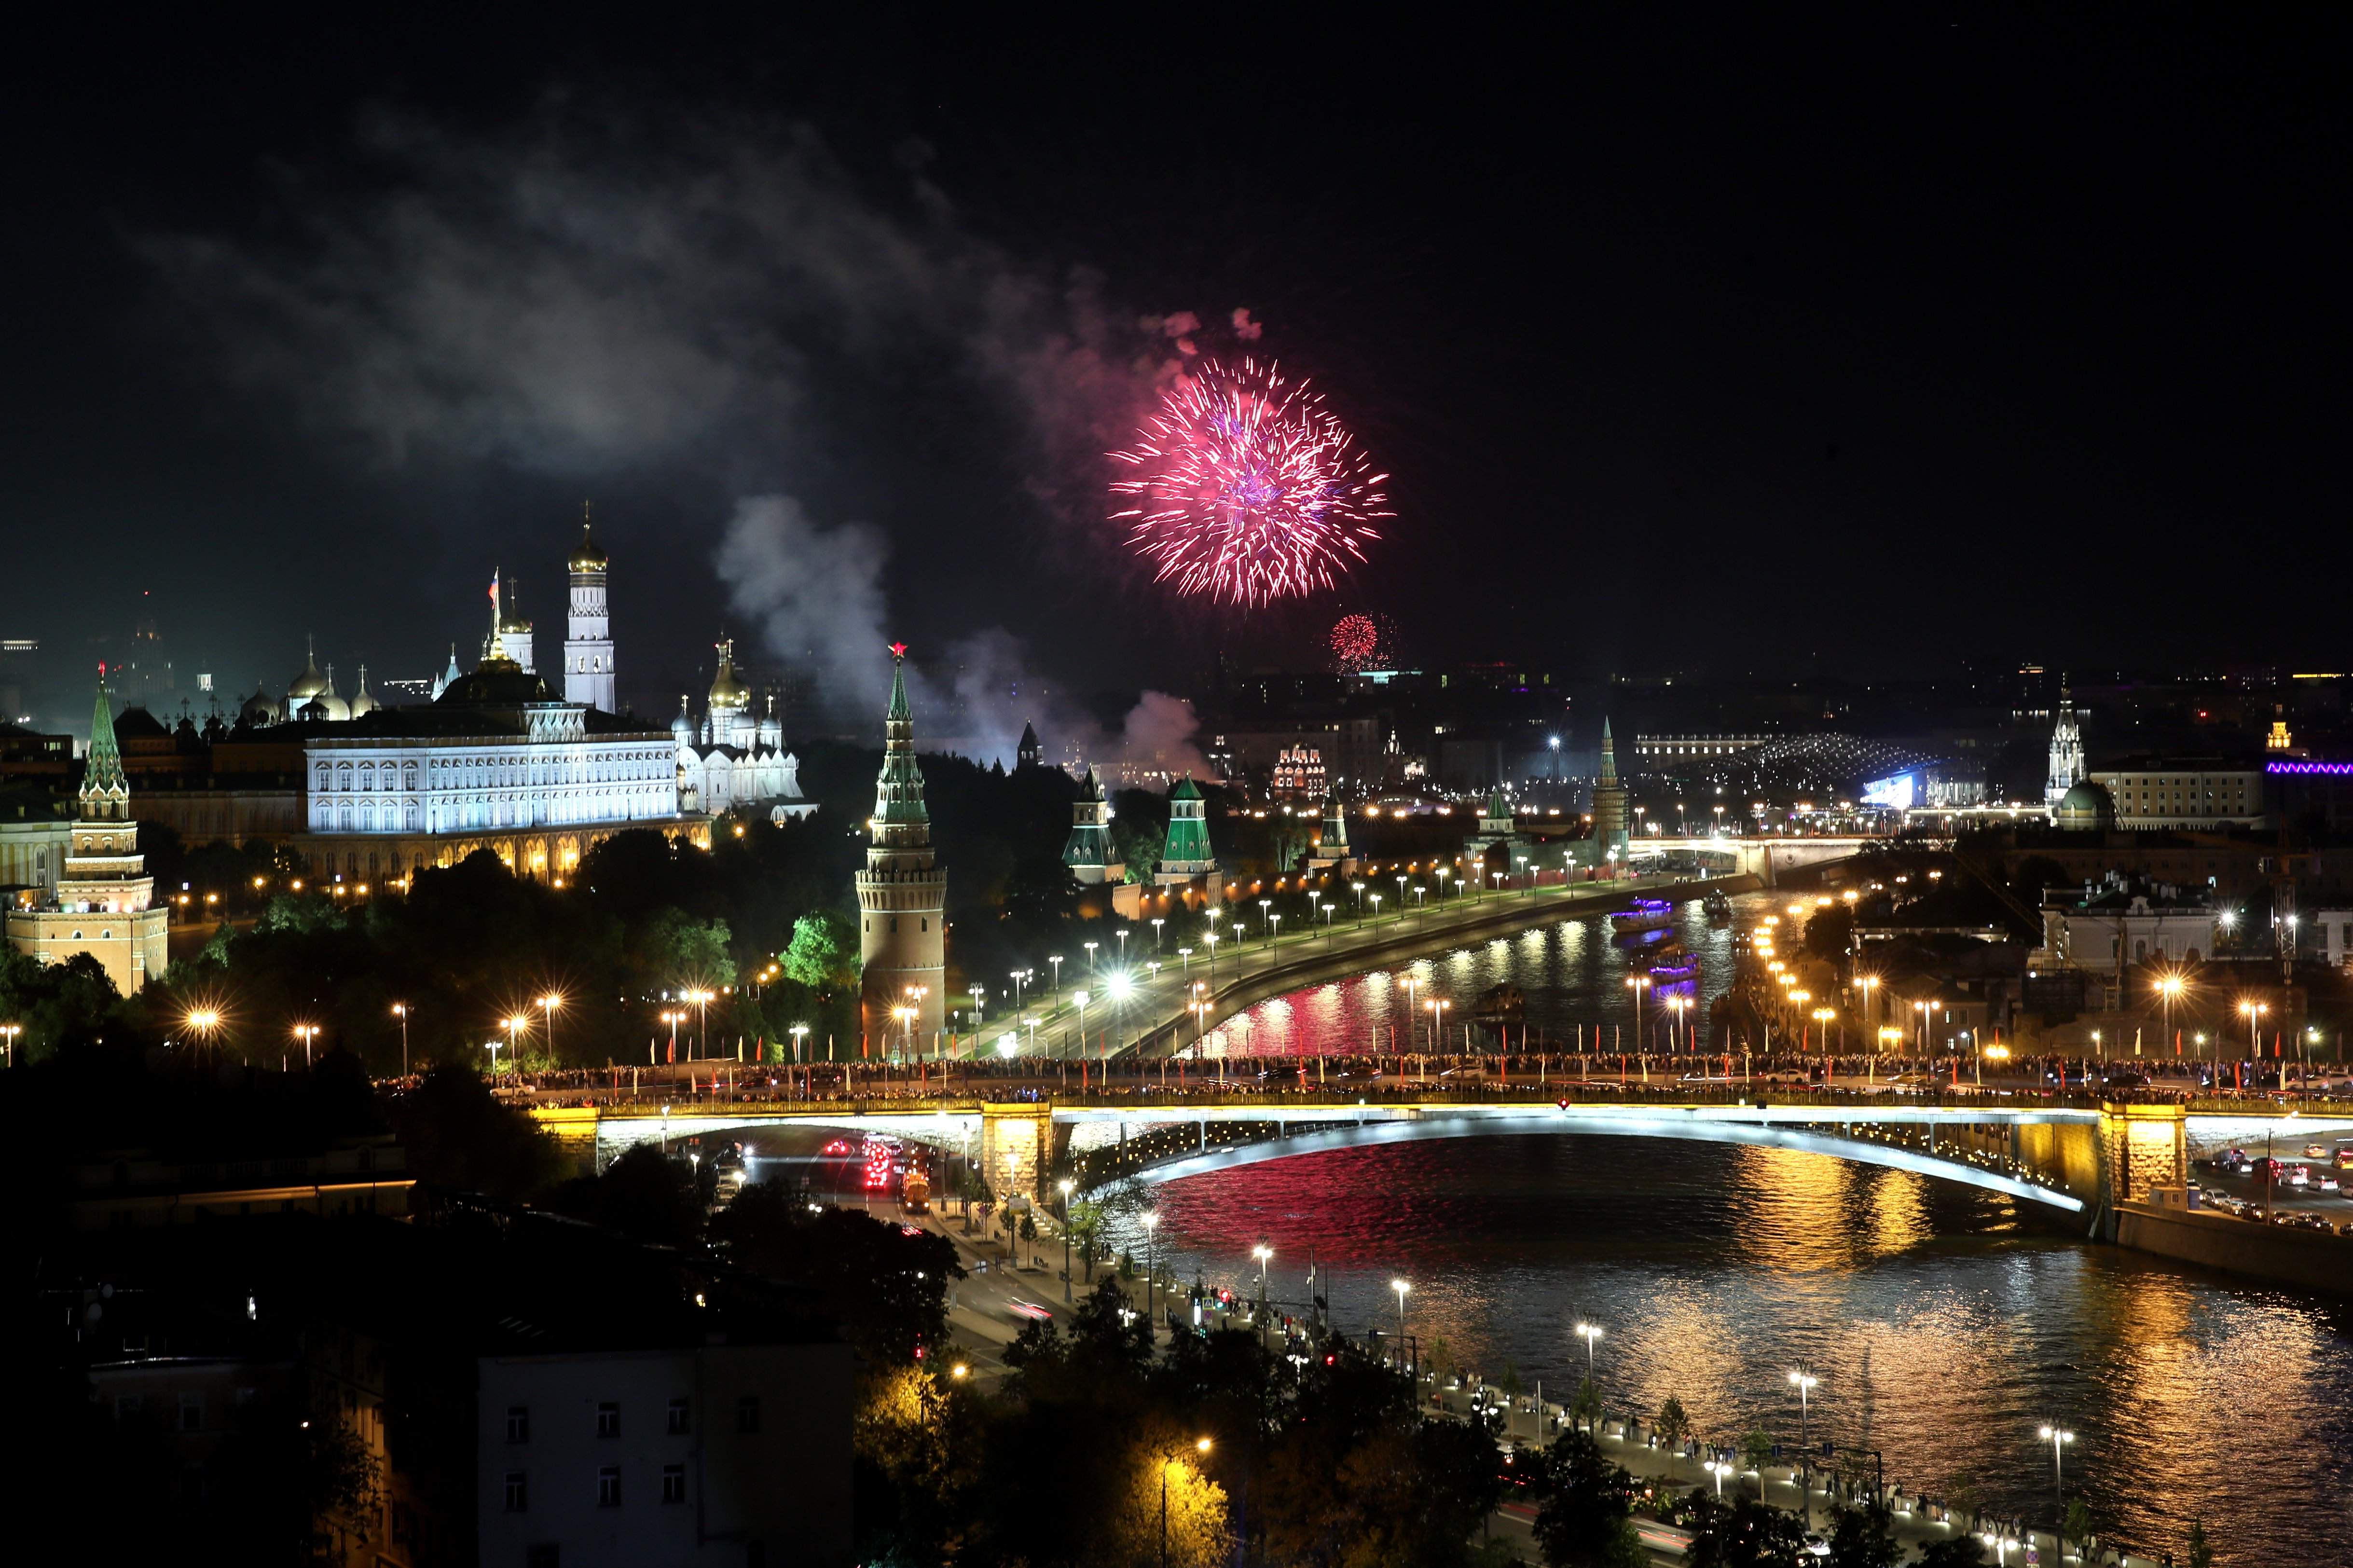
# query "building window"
(609, 1420)
(747, 1413)
(679, 1414)
(518, 1492)
(518, 1423)
(608, 1487)
(674, 1483)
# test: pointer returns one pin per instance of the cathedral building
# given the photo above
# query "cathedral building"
(731, 760)
(103, 903)
(902, 892)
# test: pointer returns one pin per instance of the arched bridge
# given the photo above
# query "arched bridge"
(2069, 1158)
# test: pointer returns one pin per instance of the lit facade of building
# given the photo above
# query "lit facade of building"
(1088, 852)
(732, 761)
(103, 900)
(902, 892)
(1185, 855)
(495, 762)
(2156, 794)
(589, 672)
(2066, 754)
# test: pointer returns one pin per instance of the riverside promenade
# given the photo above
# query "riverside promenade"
(1918, 1519)
(1158, 1000)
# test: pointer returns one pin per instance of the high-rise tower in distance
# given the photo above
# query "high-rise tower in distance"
(588, 628)
(903, 893)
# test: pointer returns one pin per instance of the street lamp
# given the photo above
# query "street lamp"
(1265, 1254)
(797, 1031)
(2058, 1438)
(1090, 954)
(1804, 1382)
(1066, 1184)
(547, 1007)
(1437, 1025)
(1717, 1468)
(1200, 1445)
(1264, 906)
(1588, 1333)
(10, 1032)
(306, 1032)
(1056, 960)
(1401, 1287)
(1123, 944)
(400, 1011)
(1151, 1259)
(1156, 924)
(2254, 1012)
(1080, 997)
(1638, 983)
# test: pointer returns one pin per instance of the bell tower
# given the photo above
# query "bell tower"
(588, 628)
(903, 893)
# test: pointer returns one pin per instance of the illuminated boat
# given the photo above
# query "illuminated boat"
(1719, 907)
(1648, 914)
(1673, 961)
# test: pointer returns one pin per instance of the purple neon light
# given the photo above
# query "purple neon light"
(2338, 769)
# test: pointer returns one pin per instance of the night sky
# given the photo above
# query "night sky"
(1859, 345)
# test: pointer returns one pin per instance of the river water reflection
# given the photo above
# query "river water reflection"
(1944, 1325)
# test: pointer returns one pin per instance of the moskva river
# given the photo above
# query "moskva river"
(1944, 1325)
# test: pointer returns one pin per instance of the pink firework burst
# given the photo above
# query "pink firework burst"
(1355, 641)
(1246, 488)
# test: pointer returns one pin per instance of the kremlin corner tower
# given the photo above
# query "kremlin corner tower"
(902, 894)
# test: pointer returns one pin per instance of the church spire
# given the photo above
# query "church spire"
(1609, 755)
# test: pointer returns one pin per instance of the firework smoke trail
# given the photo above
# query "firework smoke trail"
(1246, 488)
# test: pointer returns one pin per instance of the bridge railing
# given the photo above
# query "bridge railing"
(1150, 1091)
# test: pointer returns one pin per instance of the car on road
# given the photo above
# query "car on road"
(2297, 1176)
(2314, 1152)
(1028, 1309)
(2325, 1182)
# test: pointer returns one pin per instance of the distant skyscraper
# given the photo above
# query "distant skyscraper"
(2066, 753)
(588, 628)
(903, 893)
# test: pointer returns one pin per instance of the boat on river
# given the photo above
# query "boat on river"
(1673, 961)
(1719, 907)
(1500, 1003)
(1648, 914)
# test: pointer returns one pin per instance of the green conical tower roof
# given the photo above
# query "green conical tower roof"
(105, 771)
(899, 788)
(1186, 789)
(1609, 756)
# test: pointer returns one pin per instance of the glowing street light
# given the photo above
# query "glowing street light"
(1588, 1333)
(2058, 1438)
(1065, 1184)
(1401, 1287)
(306, 1032)
(2253, 1013)
(1804, 1381)
(547, 1007)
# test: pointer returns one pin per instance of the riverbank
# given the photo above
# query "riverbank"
(1320, 961)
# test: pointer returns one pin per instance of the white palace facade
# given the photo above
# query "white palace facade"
(496, 761)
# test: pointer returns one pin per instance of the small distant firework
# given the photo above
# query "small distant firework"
(1356, 641)
(1246, 489)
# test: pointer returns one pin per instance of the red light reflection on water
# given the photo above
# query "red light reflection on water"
(1572, 974)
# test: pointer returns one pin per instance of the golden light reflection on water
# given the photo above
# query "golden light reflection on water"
(1944, 1328)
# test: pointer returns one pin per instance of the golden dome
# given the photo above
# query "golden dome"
(726, 690)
